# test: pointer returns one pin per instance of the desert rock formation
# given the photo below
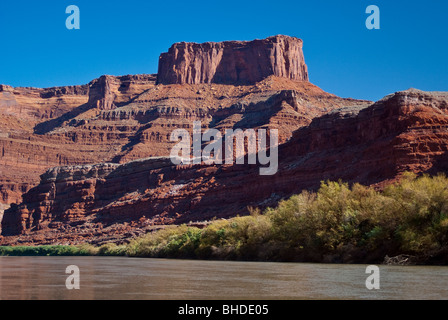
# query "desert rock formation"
(370, 144)
(89, 163)
(233, 62)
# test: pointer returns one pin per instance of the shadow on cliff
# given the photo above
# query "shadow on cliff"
(245, 71)
(50, 125)
(133, 141)
(253, 114)
(439, 165)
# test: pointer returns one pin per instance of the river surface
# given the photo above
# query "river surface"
(104, 278)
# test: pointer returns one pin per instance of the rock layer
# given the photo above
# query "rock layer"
(51, 193)
(233, 62)
(120, 119)
(370, 144)
(42, 128)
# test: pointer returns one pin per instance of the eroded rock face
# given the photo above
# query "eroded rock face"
(233, 62)
(43, 128)
(124, 118)
(369, 144)
(106, 92)
(120, 119)
(50, 139)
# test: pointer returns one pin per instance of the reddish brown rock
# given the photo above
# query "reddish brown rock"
(108, 92)
(233, 62)
(119, 119)
(367, 144)
(33, 122)
(50, 138)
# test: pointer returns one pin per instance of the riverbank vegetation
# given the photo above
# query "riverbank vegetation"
(338, 223)
(84, 250)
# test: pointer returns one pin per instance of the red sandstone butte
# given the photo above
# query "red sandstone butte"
(233, 62)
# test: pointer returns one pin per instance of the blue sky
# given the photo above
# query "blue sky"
(127, 37)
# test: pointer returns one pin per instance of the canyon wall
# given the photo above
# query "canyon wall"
(89, 163)
(120, 119)
(370, 144)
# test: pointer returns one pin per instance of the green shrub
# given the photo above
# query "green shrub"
(171, 241)
(44, 251)
(111, 249)
(410, 216)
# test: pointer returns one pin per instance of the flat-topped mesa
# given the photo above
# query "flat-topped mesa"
(233, 62)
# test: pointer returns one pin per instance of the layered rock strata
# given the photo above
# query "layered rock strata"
(371, 144)
(120, 119)
(233, 62)
(89, 163)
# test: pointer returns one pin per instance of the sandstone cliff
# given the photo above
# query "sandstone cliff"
(119, 119)
(108, 92)
(233, 62)
(88, 163)
(34, 122)
(370, 144)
